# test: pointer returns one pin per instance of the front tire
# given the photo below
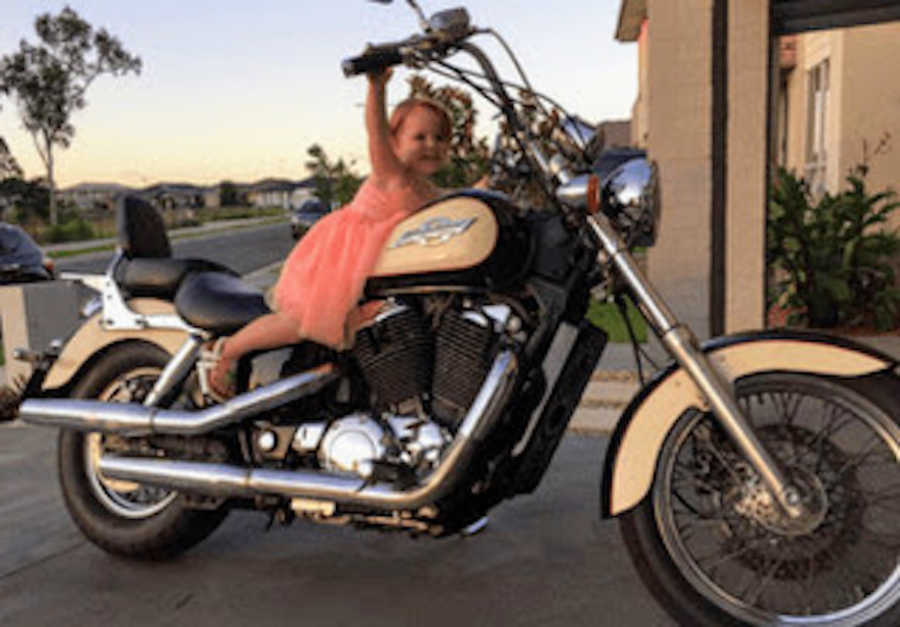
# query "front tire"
(120, 517)
(714, 549)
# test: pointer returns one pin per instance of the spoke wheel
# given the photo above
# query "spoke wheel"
(124, 498)
(724, 536)
(124, 517)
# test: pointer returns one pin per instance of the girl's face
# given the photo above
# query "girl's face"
(420, 142)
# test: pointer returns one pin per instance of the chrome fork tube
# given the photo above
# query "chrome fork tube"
(682, 345)
(176, 370)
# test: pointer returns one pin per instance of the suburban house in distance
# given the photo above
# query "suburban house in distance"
(712, 81)
(268, 192)
(91, 196)
(282, 193)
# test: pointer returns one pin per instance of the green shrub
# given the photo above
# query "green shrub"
(831, 255)
(72, 230)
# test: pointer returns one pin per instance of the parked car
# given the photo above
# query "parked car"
(21, 259)
(306, 215)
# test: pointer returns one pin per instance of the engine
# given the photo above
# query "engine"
(422, 372)
(421, 383)
(405, 365)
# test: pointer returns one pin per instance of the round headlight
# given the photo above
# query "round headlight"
(630, 198)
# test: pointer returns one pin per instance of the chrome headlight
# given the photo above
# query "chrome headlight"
(630, 198)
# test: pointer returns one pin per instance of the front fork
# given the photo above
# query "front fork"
(682, 345)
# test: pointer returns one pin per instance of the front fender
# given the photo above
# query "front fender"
(91, 338)
(639, 435)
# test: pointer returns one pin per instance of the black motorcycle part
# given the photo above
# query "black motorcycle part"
(218, 302)
(395, 357)
(160, 277)
(564, 398)
(507, 264)
(371, 62)
(462, 359)
(141, 230)
(555, 247)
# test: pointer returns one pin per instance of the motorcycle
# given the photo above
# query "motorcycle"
(754, 478)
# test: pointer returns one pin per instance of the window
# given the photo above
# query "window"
(817, 81)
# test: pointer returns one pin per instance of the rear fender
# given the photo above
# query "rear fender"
(92, 339)
(639, 435)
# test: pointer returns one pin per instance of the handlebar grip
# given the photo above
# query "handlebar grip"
(371, 62)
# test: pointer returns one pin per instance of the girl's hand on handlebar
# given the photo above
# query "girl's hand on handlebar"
(380, 78)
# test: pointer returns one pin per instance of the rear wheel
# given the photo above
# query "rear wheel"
(123, 517)
(715, 549)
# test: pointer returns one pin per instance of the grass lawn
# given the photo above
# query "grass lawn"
(607, 316)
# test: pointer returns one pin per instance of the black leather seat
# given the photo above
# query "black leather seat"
(218, 302)
(148, 268)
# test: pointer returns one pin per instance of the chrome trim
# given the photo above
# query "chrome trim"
(176, 370)
(227, 480)
(133, 419)
(661, 317)
(683, 347)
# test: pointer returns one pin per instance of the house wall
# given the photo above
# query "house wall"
(871, 104)
(678, 97)
(639, 131)
(864, 103)
(748, 40)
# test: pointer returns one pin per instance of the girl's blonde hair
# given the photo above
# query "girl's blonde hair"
(404, 108)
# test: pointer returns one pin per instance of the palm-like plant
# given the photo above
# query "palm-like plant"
(832, 254)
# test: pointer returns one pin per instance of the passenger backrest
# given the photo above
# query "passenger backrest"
(141, 230)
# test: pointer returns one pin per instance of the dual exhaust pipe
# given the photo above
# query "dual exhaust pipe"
(237, 481)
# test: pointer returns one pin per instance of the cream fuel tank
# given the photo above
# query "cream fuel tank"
(470, 238)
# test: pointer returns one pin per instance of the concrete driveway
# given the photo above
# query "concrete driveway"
(544, 560)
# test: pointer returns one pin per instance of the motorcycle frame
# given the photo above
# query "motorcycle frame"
(120, 320)
(677, 338)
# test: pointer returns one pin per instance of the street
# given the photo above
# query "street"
(242, 250)
(545, 559)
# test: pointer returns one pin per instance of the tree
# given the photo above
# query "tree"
(49, 80)
(335, 182)
(228, 194)
(9, 168)
(30, 199)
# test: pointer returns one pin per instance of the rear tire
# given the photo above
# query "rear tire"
(121, 517)
(713, 548)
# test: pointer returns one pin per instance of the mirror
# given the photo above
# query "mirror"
(453, 23)
(578, 131)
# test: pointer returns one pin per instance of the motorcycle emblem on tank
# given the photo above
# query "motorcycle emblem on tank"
(434, 232)
(453, 233)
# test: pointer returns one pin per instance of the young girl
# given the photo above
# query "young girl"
(322, 280)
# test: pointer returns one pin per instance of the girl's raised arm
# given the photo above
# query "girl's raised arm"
(385, 165)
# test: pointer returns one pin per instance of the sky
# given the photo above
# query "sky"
(238, 90)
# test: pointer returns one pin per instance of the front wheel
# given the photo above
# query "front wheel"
(123, 517)
(714, 548)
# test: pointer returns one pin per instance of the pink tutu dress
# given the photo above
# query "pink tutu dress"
(323, 278)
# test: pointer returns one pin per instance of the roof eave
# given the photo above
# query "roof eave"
(632, 14)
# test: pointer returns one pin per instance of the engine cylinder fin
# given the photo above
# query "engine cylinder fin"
(462, 361)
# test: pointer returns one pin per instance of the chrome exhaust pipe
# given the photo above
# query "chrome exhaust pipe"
(132, 419)
(233, 481)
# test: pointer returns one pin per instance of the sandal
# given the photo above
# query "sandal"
(207, 361)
